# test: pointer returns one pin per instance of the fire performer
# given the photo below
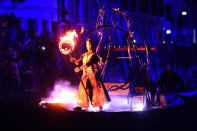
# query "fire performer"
(91, 89)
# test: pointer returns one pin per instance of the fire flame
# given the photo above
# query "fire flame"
(82, 29)
(62, 93)
(67, 42)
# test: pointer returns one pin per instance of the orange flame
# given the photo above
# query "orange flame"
(67, 42)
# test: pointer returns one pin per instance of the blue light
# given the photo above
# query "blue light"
(168, 31)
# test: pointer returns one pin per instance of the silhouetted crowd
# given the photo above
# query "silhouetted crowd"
(26, 64)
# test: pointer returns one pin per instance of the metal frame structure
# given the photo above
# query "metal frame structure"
(103, 25)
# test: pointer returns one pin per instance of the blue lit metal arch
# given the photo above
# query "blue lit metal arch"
(100, 26)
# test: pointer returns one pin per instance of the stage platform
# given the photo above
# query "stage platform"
(32, 116)
(182, 117)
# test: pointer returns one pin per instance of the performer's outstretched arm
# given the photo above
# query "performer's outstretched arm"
(77, 69)
(73, 60)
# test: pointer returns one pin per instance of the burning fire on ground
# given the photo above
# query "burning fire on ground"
(63, 94)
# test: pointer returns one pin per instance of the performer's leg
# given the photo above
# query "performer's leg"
(89, 92)
(89, 89)
(100, 108)
(98, 96)
(83, 100)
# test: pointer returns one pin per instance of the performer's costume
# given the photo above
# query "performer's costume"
(98, 94)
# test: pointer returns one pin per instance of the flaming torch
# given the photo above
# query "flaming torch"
(67, 42)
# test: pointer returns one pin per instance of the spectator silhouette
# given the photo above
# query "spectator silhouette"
(169, 83)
